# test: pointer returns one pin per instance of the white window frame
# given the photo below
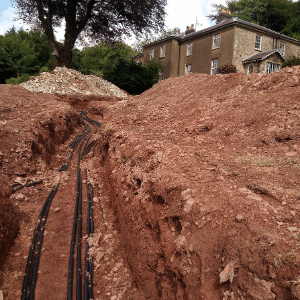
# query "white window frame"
(151, 53)
(214, 66)
(258, 39)
(161, 76)
(163, 50)
(282, 48)
(189, 49)
(216, 42)
(188, 69)
(250, 68)
(272, 67)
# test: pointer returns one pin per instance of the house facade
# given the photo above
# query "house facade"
(250, 47)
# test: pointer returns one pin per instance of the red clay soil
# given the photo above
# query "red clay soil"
(199, 182)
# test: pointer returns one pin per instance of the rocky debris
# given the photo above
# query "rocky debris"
(228, 272)
(64, 81)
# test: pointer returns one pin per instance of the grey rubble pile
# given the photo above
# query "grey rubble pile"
(64, 81)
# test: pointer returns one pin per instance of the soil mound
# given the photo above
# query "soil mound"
(64, 81)
(199, 184)
(205, 171)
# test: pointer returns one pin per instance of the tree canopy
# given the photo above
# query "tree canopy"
(139, 45)
(100, 20)
(22, 52)
(279, 15)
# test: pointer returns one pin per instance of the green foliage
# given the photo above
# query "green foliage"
(226, 69)
(131, 77)
(22, 53)
(272, 14)
(18, 80)
(292, 61)
(95, 58)
(139, 45)
(292, 27)
(216, 11)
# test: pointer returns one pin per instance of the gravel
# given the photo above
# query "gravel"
(64, 81)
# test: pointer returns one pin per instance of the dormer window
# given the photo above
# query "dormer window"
(258, 42)
(216, 43)
(190, 49)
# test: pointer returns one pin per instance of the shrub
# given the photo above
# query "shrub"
(226, 69)
(292, 61)
(18, 80)
(131, 77)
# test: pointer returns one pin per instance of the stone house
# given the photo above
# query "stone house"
(250, 47)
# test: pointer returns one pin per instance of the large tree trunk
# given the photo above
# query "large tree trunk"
(64, 57)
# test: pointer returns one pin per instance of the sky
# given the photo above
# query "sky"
(180, 13)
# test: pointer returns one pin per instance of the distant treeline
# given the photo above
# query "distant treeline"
(23, 54)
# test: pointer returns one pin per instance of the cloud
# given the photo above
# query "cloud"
(7, 21)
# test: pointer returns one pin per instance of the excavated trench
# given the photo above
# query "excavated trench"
(176, 211)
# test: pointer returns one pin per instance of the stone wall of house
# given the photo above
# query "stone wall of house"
(203, 52)
(275, 58)
(244, 45)
(170, 60)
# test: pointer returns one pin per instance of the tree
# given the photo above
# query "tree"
(272, 14)
(292, 27)
(22, 53)
(101, 20)
(94, 58)
(139, 45)
(131, 77)
(215, 16)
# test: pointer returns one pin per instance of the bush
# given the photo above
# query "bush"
(226, 69)
(131, 77)
(292, 61)
(18, 80)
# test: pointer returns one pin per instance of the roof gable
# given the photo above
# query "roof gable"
(260, 56)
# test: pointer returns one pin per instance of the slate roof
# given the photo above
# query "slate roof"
(261, 56)
(224, 24)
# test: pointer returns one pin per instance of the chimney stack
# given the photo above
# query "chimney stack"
(190, 29)
(224, 15)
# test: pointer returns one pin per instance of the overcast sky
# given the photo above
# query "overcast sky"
(180, 13)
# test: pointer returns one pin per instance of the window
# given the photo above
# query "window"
(152, 53)
(250, 69)
(271, 67)
(162, 50)
(282, 48)
(258, 42)
(161, 75)
(214, 66)
(190, 49)
(216, 41)
(188, 69)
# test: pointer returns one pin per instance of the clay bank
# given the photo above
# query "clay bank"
(198, 181)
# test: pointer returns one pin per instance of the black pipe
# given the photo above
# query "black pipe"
(39, 246)
(29, 260)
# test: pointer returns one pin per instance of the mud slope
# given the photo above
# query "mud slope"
(204, 172)
(31, 127)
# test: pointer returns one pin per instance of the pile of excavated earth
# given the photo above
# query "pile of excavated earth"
(64, 81)
(198, 182)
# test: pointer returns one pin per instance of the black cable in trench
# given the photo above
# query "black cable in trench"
(40, 227)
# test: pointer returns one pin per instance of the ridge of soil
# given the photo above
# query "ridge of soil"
(199, 182)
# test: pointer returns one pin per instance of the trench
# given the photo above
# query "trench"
(134, 248)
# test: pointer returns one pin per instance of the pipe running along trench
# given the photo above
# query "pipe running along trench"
(31, 270)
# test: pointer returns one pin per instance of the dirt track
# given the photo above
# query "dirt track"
(195, 173)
